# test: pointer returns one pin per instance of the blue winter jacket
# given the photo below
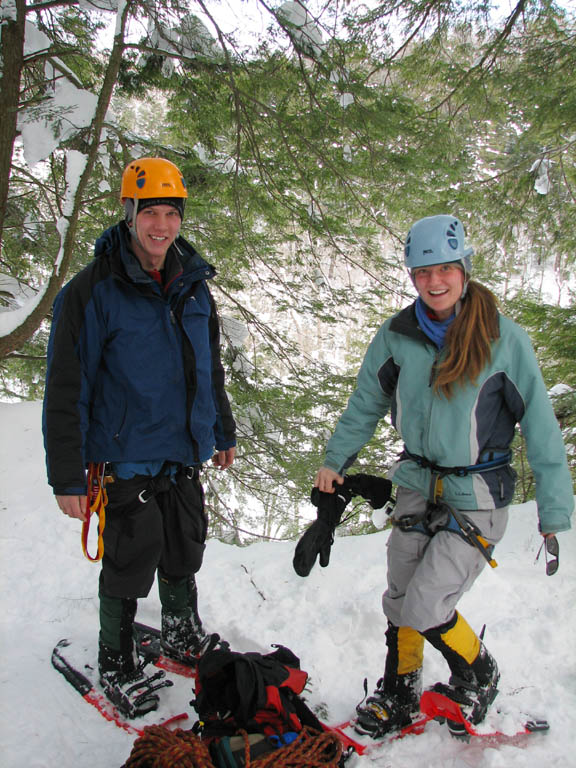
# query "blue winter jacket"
(134, 371)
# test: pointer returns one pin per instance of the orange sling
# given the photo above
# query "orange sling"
(96, 500)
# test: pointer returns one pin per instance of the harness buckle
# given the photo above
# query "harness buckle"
(407, 522)
(192, 473)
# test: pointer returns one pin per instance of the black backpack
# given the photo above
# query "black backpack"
(259, 693)
(247, 703)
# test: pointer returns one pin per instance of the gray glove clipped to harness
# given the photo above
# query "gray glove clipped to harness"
(319, 537)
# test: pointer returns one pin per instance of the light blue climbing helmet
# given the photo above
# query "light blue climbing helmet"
(437, 240)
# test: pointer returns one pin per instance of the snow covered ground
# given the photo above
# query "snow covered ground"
(252, 596)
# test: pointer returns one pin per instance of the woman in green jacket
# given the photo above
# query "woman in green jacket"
(456, 378)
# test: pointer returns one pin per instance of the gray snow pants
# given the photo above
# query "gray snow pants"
(427, 576)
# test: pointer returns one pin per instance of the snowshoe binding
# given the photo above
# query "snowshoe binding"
(473, 696)
(386, 712)
(133, 693)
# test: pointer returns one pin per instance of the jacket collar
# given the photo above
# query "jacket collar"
(406, 323)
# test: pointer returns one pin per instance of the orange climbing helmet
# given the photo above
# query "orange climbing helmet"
(151, 181)
(152, 177)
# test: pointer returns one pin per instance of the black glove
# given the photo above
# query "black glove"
(319, 537)
(375, 490)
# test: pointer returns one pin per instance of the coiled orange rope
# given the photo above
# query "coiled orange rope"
(311, 749)
(160, 748)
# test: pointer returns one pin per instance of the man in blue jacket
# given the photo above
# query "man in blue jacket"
(135, 381)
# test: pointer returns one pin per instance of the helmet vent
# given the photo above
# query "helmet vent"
(436, 240)
(407, 246)
(453, 236)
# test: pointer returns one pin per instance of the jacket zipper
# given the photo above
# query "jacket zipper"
(189, 371)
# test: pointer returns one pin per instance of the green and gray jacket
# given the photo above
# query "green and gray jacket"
(478, 423)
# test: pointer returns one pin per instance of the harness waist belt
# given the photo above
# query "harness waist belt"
(500, 460)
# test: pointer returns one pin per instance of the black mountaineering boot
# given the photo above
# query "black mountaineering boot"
(396, 700)
(183, 636)
(473, 683)
(124, 681)
(387, 711)
(184, 640)
(474, 689)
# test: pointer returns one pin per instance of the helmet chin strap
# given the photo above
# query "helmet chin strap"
(466, 280)
(130, 214)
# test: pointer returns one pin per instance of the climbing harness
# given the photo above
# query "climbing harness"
(441, 517)
(494, 460)
(96, 500)
(438, 515)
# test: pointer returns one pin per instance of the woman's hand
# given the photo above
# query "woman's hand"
(326, 478)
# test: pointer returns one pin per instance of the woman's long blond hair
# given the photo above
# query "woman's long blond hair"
(469, 340)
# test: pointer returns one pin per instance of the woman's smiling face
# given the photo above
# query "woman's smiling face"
(440, 287)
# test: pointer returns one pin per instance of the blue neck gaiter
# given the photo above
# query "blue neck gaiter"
(435, 329)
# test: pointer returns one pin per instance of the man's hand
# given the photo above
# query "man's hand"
(73, 506)
(224, 459)
(326, 478)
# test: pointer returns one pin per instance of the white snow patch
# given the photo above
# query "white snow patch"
(251, 595)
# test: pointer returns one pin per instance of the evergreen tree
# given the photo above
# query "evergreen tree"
(307, 154)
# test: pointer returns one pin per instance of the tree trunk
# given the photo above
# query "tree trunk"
(32, 322)
(12, 37)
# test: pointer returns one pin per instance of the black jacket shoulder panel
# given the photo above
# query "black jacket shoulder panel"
(388, 376)
(406, 323)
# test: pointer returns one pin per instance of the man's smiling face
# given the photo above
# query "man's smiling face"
(157, 227)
